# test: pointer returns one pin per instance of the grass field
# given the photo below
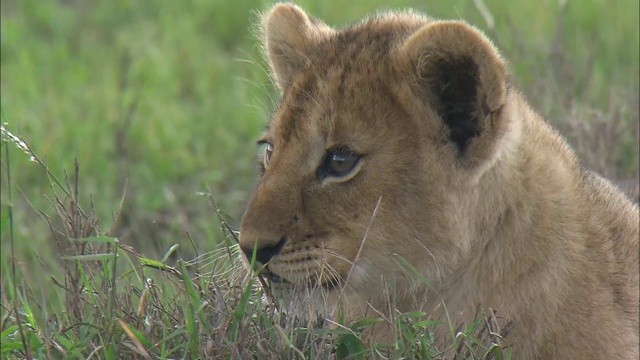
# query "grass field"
(160, 102)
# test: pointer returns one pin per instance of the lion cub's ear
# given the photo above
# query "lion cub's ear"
(460, 74)
(289, 36)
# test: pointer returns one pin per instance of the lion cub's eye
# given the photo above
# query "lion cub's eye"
(268, 151)
(340, 163)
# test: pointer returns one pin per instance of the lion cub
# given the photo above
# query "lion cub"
(400, 140)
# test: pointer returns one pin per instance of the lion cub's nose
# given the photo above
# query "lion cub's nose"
(265, 251)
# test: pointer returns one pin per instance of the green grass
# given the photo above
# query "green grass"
(160, 103)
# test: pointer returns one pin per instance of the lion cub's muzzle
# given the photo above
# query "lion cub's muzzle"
(264, 250)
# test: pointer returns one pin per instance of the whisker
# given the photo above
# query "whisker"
(364, 238)
(338, 256)
(435, 261)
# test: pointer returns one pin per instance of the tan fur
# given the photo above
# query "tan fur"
(457, 177)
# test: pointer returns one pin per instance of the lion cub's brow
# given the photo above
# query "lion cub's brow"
(344, 108)
(338, 72)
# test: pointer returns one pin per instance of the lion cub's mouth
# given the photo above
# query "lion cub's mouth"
(276, 279)
(311, 284)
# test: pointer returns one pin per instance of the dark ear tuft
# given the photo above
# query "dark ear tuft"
(455, 86)
(458, 73)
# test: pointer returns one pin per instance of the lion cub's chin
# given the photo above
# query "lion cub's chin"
(316, 299)
(305, 302)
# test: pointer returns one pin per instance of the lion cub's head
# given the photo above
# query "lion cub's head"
(374, 154)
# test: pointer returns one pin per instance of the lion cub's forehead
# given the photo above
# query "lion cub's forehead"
(347, 76)
(363, 49)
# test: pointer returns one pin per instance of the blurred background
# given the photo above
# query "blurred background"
(165, 99)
